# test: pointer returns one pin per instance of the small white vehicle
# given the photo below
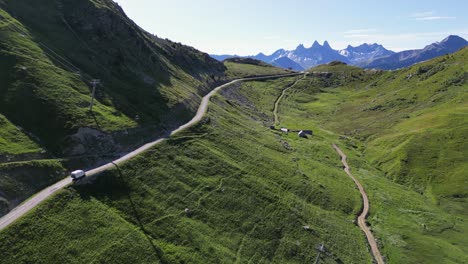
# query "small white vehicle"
(78, 174)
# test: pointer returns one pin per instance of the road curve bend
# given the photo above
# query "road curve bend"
(365, 210)
(39, 197)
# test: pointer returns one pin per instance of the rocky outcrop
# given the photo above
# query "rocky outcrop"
(87, 141)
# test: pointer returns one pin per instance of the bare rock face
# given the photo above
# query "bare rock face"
(89, 141)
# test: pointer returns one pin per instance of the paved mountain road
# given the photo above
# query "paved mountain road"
(26, 206)
(365, 210)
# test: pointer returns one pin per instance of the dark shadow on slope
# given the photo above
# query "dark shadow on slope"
(157, 250)
(110, 186)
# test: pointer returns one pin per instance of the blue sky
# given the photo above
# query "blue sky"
(246, 27)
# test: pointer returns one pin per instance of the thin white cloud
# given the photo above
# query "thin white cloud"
(429, 18)
(423, 14)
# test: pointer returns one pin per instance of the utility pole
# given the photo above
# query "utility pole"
(93, 83)
(320, 249)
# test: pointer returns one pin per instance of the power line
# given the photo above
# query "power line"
(53, 55)
(93, 83)
(59, 59)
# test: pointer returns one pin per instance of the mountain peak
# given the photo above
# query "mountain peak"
(326, 45)
(316, 45)
(280, 51)
(300, 47)
(453, 38)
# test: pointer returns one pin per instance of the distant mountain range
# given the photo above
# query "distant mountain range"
(409, 57)
(365, 55)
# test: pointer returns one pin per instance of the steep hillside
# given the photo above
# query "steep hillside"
(14, 143)
(49, 53)
(146, 82)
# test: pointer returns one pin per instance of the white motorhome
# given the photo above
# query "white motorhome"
(78, 174)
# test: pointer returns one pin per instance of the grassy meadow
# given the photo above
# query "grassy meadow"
(13, 141)
(406, 135)
(240, 69)
(248, 190)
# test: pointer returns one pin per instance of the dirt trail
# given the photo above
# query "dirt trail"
(39, 197)
(365, 210)
(275, 110)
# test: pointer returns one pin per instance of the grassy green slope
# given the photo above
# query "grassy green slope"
(50, 50)
(35, 88)
(413, 120)
(13, 141)
(249, 191)
(140, 73)
(45, 67)
(411, 126)
(239, 67)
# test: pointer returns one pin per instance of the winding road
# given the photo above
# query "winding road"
(275, 110)
(28, 205)
(365, 210)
